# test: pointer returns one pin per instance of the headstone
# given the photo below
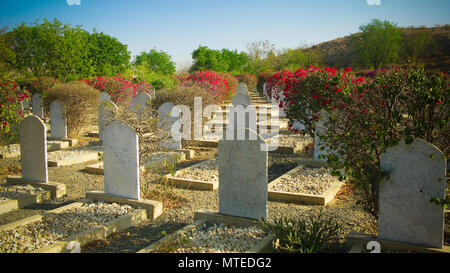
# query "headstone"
(243, 174)
(242, 97)
(166, 121)
(33, 149)
(106, 114)
(58, 124)
(26, 104)
(104, 96)
(416, 174)
(121, 160)
(139, 103)
(320, 130)
(36, 102)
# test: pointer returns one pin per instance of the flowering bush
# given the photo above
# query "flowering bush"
(275, 85)
(144, 87)
(220, 86)
(262, 79)
(10, 112)
(248, 79)
(120, 90)
(367, 115)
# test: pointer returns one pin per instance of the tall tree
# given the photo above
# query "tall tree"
(156, 61)
(261, 56)
(378, 43)
(224, 60)
(416, 45)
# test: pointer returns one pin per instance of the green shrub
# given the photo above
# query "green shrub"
(81, 102)
(314, 234)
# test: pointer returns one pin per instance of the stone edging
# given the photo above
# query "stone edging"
(26, 201)
(190, 183)
(89, 156)
(57, 189)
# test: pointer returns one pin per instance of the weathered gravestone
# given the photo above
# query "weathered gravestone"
(121, 160)
(106, 114)
(36, 103)
(139, 103)
(415, 175)
(104, 96)
(33, 149)
(243, 174)
(166, 121)
(242, 97)
(58, 124)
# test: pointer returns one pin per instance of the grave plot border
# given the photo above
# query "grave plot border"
(88, 156)
(25, 201)
(92, 234)
(191, 184)
(203, 216)
(303, 198)
(57, 189)
(153, 208)
(354, 241)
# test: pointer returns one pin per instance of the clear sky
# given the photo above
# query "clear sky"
(180, 26)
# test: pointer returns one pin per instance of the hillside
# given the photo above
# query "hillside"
(338, 52)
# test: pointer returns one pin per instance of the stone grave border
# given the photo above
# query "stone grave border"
(152, 208)
(72, 141)
(13, 154)
(92, 234)
(57, 189)
(89, 156)
(354, 240)
(303, 198)
(25, 201)
(190, 184)
(290, 149)
(51, 147)
(203, 216)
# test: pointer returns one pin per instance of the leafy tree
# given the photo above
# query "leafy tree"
(378, 44)
(65, 52)
(261, 56)
(416, 45)
(224, 60)
(6, 55)
(293, 59)
(159, 62)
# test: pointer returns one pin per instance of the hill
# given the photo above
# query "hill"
(338, 52)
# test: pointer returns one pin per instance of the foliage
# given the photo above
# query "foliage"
(156, 80)
(275, 85)
(368, 115)
(65, 52)
(120, 90)
(310, 235)
(416, 46)
(220, 86)
(378, 44)
(261, 56)
(248, 79)
(293, 59)
(224, 60)
(10, 112)
(80, 101)
(158, 62)
(6, 55)
(262, 79)
(42, 84)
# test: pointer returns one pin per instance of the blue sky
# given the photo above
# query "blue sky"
(180, 26)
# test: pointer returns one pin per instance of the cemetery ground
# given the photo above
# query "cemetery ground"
(180, 204)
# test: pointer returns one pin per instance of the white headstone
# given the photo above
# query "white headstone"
(121, 160)
(106, 114)
(36, 102)
(139, 103)
(58, 124)
(166, 121)
(242, 97)
(416, 174)
(243, 174)
(33, 149)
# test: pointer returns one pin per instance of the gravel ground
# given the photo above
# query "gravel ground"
(18, 191)
(59, 226)
(307, 180)
(73, 152)
(214, 239)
